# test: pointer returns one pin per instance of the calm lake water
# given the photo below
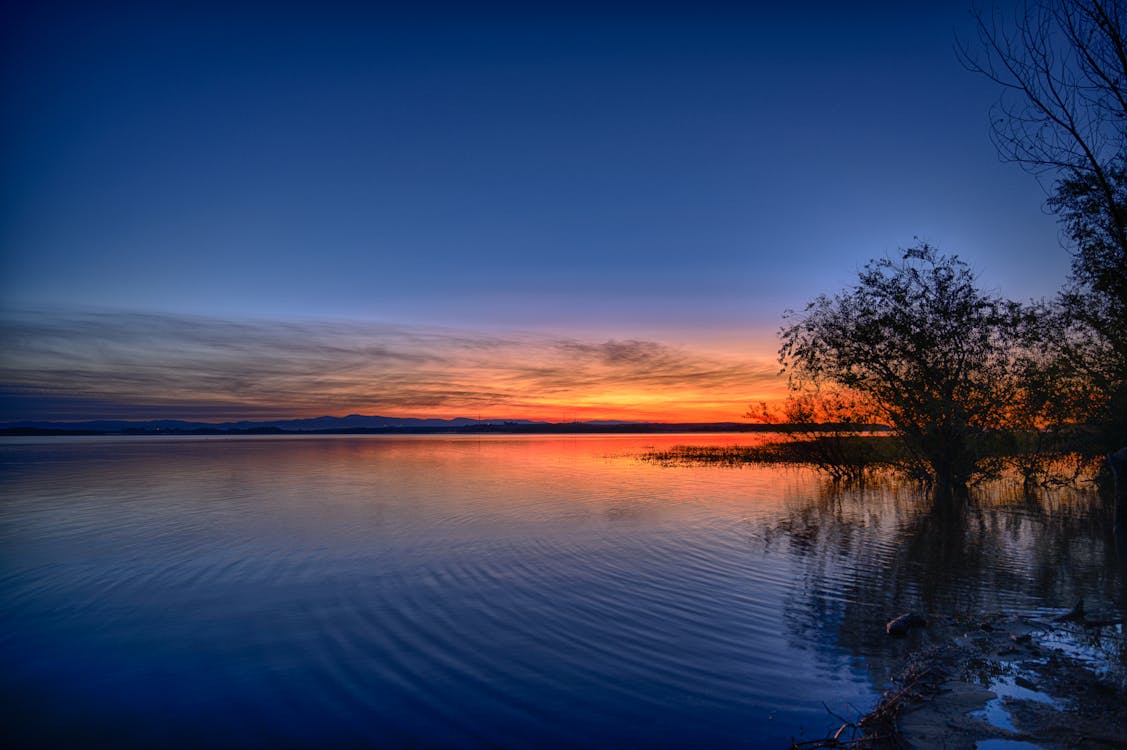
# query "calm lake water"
(505, 591)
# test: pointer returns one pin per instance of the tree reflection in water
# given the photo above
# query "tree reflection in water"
(874, 552)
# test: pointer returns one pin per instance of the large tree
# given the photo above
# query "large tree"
(930, 351)
(1062, 69)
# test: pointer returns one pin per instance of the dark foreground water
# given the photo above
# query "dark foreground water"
(478, 592)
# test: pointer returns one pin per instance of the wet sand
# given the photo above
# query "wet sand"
(1012, 682)
(1000, 682)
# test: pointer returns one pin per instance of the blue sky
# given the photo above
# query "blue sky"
(677, 173)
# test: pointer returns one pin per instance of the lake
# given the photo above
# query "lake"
(501, 591)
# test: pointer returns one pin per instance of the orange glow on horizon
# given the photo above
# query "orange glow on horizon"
(631, 405)
(216, 370)
(576, 381)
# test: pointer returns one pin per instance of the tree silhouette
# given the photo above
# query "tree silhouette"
(1062, 68)
(932, 354)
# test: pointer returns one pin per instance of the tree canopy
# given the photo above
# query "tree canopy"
(932, 353)
(1061, 66)
(946, 364)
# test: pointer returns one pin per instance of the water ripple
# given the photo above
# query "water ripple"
(463, 593)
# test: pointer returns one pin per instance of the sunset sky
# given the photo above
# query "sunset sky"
(526, 210)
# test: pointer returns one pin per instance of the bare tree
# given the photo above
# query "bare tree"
(1062, 114)
(1062, 67)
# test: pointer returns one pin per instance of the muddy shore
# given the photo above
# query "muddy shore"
(1001, 682)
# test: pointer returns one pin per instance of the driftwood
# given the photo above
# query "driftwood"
(877, 729)
(921, 680)
(1077, 615)
(902, 624)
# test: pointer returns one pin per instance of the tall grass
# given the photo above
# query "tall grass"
(852, 457)
(841, 456)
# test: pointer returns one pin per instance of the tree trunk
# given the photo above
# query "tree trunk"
(1118, 463)
(952, 462)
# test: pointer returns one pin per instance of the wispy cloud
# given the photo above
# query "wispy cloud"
(112, 364)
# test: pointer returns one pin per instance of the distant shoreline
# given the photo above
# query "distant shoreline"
(483, 428)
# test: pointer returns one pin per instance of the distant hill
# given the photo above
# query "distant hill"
(362, 424)
(314, 424)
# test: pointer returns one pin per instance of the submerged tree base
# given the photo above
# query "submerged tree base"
(856, 457)
(842, 456)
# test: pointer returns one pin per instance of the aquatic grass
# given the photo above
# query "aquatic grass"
(849, 456)
(842, 456)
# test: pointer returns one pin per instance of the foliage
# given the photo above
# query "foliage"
(881, 454)
(1091, 338)
(1062, 68)
(829, 428)
(931, 354)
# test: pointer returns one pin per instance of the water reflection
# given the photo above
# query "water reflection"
(871, 553)
(480, 592)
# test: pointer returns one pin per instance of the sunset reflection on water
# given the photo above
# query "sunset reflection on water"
(480, 591)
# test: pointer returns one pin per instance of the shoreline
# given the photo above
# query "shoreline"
(1004, 682)
(552, 428)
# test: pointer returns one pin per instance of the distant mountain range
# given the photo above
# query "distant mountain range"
(361, 424)
(315, 424)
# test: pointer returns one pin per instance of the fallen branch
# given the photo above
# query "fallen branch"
(877, 729)
(1076, 614)
(859, 743)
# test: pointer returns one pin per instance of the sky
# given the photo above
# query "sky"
(528, 210)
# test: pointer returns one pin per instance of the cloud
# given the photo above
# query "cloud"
(109, 364)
